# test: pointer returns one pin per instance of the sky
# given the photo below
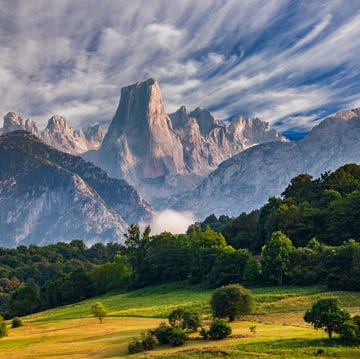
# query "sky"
(290, 63)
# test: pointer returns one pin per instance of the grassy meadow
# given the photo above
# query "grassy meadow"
(71, 331)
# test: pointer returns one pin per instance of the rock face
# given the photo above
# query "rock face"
(141, 137)
(48, 196)
(208, 142)
(246, 181)
(57, 134)
(163, 155)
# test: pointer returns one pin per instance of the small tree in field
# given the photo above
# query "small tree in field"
(231, 301)
(99, 311)
(327, 314)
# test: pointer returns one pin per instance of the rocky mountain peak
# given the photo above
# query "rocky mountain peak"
(205, 120)
(179, 117)
(56, 124)
(30, 126)
(12, 122)
(95, 134)
(347, 114)
(141, 133)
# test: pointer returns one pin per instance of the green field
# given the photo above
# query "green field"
(71, 331)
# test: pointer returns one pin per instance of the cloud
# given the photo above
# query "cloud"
(289, 60)
(171, 221)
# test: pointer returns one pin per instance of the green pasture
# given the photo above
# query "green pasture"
(71, 331)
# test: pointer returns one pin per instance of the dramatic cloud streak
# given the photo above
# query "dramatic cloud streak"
(288, 62)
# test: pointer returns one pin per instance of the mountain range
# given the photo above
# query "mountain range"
(184, 161)
(57, 134)
(164, 155)
(247, 180)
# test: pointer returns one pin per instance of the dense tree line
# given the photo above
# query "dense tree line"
(308, 236)
(327, 208)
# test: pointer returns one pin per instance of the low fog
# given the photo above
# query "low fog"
(171, 221)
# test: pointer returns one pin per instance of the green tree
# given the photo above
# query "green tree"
(137, 247)
(25, 300)
(111, 276)
(99, 311)
(3, 327)
(228, 267)
(231, 301)
(275, 257)
(327, 314)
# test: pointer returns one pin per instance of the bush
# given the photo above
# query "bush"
(3, 328)
(135, 347)
(191, 321)
(163, 333)
(16, 322)
(219, 329)
(349, 331)
(177, 337)
(176, 317)
(148, 341)
(204, 333)
(231, 301)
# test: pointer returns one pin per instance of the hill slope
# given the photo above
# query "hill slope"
(48, 196)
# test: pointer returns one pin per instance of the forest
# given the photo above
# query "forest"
(309, 235)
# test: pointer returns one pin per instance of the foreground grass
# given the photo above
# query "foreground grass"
(71, 332)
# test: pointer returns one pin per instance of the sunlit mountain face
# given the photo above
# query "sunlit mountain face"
(290, 63)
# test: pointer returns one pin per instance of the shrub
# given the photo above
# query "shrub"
(16, 322)
(176, 317)
(191, 321)
(3, 327)
(348, 332)
(219, 329)
(252, 329)
(177, 337)
(204, 333)
(135, 347)
(163, 333)
(231, 301)
(148, 342)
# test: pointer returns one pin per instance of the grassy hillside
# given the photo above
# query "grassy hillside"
(71, 332)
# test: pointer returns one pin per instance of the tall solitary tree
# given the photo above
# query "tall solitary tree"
(99, 311)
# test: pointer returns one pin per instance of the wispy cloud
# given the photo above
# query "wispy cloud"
(288, 63)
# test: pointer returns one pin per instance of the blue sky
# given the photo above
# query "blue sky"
(290, 63)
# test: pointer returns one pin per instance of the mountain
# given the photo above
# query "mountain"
(163, 155)
(57, 134)
(48, 196)
(208, 142)
(246, 181)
